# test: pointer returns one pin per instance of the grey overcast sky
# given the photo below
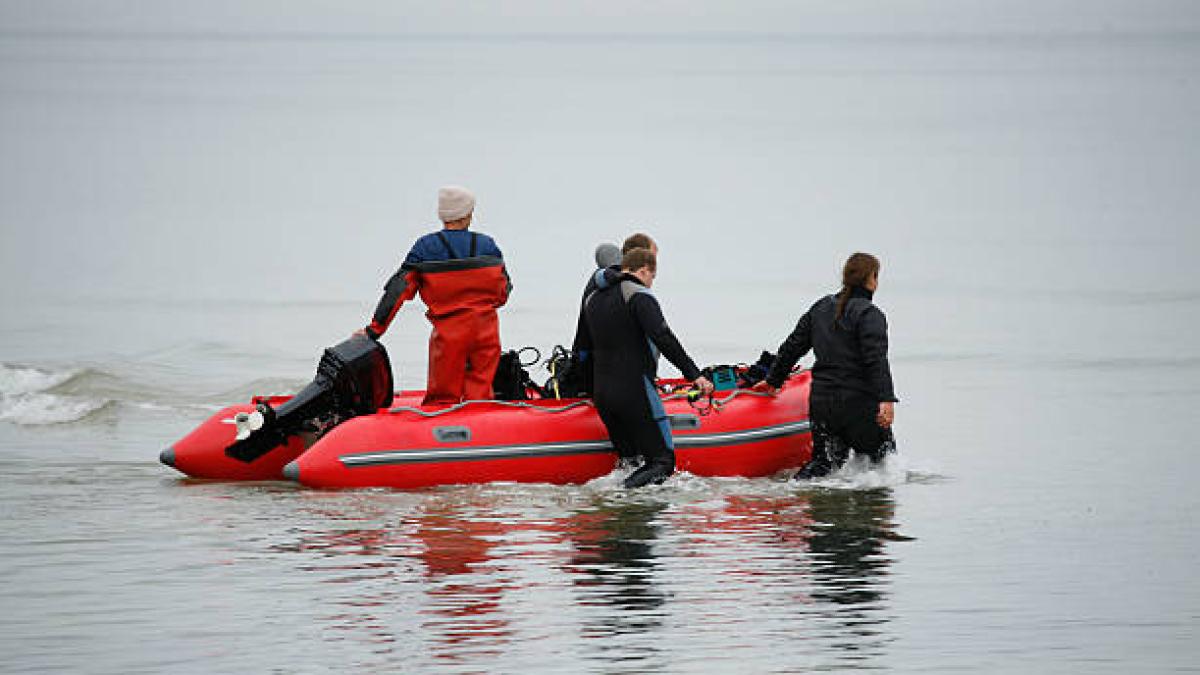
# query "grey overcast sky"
(607, 16)
(158, 147)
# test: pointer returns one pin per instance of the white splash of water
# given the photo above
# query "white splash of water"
(860, 474)
(25, 397)
(15, 380)
(42, 409)
(857, 474)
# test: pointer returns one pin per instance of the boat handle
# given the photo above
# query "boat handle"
(684, 421)
(452, 434)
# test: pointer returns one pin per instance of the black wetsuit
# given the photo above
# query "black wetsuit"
(625, 331)
(581, 348)
(850, 378)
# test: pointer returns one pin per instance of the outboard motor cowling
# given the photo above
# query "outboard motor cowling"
(361, 375)
(353, 378)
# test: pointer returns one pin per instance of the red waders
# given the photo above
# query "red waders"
(462, 295)
(464, 350)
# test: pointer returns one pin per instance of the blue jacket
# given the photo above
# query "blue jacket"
(455, 271)
(430, 248)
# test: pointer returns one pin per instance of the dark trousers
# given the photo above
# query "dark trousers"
(636, 422)
(842, 422)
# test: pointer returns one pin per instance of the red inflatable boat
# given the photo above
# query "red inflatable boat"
(540, 441)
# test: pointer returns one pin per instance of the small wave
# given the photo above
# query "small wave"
(269, 386)
(157, 407)
(45, 395)
(43, 409)
(29, 396)
(205, 350)
(17, 380)
(39, 396)
(83, 382)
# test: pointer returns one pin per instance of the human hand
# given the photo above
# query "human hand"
(706, 386)
(765, 387)
(886, 415)
(361, 332)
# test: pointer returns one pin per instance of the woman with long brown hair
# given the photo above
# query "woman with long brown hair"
(852, 401)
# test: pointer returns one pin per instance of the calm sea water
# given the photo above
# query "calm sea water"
(190, 219)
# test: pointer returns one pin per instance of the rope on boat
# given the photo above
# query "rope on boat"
(510, 404)
(717, 403)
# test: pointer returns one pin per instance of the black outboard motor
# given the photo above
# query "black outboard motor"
(353, 378)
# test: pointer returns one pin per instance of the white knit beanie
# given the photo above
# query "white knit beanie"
(454, 202)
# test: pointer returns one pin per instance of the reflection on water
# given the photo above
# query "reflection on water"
(568, 577)
(847, 541)
(847, 534)
(613, 571)
(462, 620)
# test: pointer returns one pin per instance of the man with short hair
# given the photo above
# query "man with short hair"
(639, 240)
(625, 332)
(607, 271)
(462, 280)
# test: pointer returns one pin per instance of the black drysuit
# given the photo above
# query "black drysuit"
(625, 332)
(850, 378)
(581, 348)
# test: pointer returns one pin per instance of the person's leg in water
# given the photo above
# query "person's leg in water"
(841, 424)
(825, 447)
(622, 443)
(863, 433)
(825, 443)
(652, 437)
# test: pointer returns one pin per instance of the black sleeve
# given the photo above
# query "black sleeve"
(647, 313)
(873, 340)
(581, 327)
(508, 286)
(401, 287)
(795, 346)
(582, 347)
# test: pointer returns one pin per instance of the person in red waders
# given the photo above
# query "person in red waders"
(461, 277)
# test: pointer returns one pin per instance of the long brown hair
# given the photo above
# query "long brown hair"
(859, 269)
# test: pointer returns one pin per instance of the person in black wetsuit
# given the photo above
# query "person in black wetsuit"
(625, 331)
(605, 270)
(851, 405)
